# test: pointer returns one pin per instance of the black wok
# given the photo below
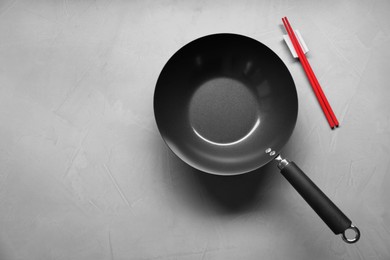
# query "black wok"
(226, 104)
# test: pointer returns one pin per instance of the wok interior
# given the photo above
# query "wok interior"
(222, 100)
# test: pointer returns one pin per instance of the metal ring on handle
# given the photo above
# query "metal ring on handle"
(351, 240)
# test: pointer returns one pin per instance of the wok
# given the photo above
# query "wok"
(226, 104)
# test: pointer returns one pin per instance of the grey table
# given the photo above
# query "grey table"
(84, 173)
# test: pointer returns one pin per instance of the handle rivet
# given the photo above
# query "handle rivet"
(272, 153)
(268, 150)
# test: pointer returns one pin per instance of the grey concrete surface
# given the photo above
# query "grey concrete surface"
(84, 173)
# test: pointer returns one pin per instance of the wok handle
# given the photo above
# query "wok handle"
(319, 202)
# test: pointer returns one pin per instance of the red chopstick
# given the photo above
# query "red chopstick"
(329, 114)
(325, 100)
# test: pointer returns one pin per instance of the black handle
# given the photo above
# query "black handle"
(322, 205)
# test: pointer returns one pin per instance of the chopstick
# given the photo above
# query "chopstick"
(326, 108)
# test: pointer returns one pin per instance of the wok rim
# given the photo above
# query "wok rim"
(277, 151)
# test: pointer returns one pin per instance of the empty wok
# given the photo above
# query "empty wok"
(226, 104)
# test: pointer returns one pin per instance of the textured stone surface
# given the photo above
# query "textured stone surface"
(84, 173)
